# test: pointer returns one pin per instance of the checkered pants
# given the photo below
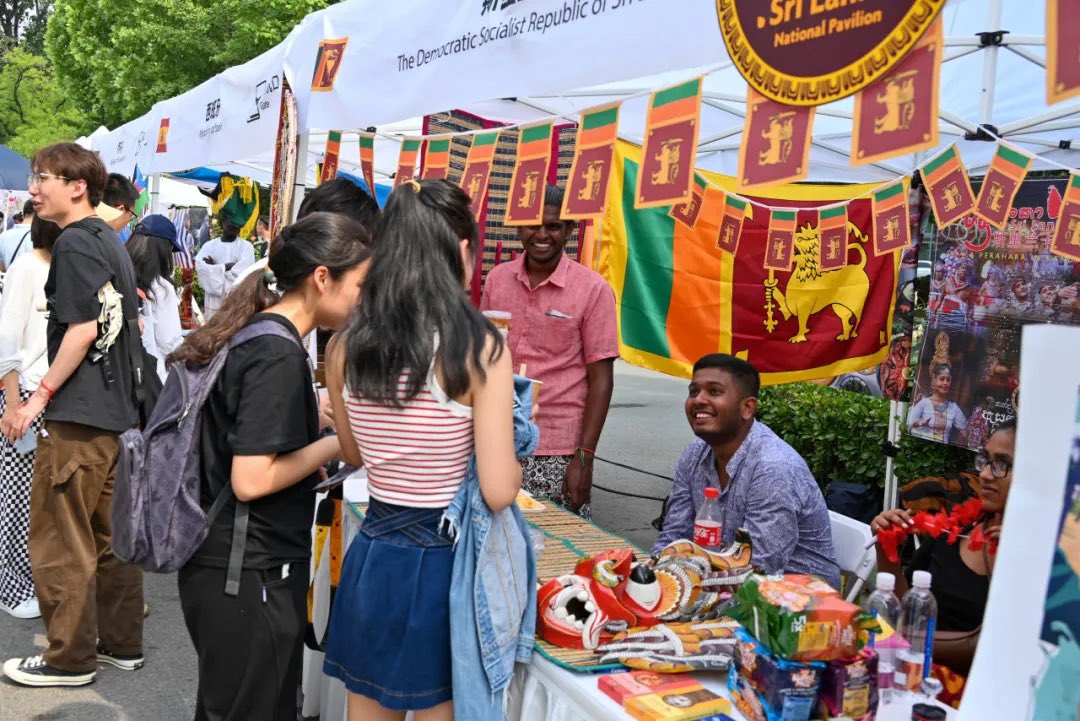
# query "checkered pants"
(16, 470)
(542, 476)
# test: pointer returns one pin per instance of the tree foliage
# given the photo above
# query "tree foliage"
(117, 59)
(34, 110)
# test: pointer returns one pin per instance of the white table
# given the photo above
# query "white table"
(543, 691)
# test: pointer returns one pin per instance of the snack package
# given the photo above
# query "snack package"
(621, 687)
(677, 706)
(767, 688)
(801, 618)
(849, 687)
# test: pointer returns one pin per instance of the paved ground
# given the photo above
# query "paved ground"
(646, 429)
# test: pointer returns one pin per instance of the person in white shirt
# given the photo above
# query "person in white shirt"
(220, 262)
(16, 241)
(23, 363)
(151, 247)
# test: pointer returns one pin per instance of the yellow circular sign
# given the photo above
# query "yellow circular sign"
(812, 52)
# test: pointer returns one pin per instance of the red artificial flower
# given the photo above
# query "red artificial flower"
(933, 524)
(954, 535)
(977, 539)
(890, 539)
(967, 512)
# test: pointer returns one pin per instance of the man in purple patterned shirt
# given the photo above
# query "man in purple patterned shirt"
(765, 485)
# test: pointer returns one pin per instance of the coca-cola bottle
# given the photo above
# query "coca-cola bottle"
(708, 532)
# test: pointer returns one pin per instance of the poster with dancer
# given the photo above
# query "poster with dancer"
(985, 285)
(1057, 694)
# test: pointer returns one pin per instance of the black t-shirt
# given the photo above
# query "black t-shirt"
(263, 403)
(99, 393)
(960, 592)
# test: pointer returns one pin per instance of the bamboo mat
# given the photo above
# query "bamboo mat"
(567, 539)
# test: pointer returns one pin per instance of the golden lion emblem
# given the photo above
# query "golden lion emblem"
(811, 290)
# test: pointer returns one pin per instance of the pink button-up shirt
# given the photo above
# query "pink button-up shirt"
(556, 329)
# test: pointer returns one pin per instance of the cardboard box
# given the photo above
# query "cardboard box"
(621, 687)
(677, 706)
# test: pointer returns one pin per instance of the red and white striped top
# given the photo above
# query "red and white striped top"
(415, 455)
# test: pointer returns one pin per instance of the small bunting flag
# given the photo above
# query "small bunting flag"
(1007, 171)
(367, 160)
(671, 135)
(948, 186)
(1067, 234)
(474, 180)
(775, 144)
(437, 160)
(526, 203)
(781, 240)
(731, 224)
(1062, 59)
(687, 213)
(833, 238)
(330, 157)
(586, 186)
(407, 160)
(892, 228)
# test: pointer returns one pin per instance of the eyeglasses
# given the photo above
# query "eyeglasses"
(998, 467)
(38, 178)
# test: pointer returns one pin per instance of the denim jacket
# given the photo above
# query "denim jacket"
(492, 586)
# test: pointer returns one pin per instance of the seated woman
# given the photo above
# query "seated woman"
(961, 575)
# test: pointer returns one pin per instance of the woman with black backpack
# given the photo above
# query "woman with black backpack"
(260, 434)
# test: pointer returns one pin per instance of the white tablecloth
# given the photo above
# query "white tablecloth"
(542, 691)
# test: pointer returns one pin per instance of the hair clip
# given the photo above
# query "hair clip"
(415, 185)
(268, 276)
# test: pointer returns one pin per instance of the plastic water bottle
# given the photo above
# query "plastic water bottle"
(884, 605)
(918, 617)
(707, 527)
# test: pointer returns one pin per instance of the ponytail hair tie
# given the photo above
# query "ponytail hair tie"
(270, 281)
(415, 185)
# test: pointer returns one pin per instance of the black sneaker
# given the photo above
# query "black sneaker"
(132, 662)
(33, 671)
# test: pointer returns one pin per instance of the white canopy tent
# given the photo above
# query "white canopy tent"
(407, 64)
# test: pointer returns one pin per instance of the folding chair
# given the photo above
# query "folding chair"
(850, 540)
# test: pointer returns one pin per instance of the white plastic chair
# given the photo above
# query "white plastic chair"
(850, 540)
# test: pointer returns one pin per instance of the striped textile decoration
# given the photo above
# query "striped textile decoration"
(186, 258)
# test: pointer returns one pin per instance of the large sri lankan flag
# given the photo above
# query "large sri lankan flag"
(679, 297)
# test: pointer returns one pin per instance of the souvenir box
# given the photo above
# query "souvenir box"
(767, 688)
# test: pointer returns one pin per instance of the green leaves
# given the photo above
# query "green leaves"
(840, 434)
(34, 110)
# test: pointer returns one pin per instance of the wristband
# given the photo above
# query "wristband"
(583, 451)
(50, 391)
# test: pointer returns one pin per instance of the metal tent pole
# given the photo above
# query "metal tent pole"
(300, 183)
(155, 192)
(990, 58)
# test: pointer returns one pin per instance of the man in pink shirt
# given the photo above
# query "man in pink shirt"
(563, 329)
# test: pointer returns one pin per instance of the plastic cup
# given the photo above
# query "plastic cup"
(501, 320)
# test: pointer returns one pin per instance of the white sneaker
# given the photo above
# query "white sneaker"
(26, 609)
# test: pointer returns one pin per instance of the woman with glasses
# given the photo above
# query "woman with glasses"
(961, 575)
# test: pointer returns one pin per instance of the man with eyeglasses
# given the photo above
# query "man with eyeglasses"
(562, 329)
(961, 575)
(117, 206)
(91, 603)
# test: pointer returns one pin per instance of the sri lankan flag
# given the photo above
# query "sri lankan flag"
(474, 180)
(731, 223)
(1067, 234)
(679, 297)
(1007, 171)
(892, 227)
(671, 135)
(330, 156)
(586, 186)
(527, 186)
(687, 213)
(948, 186)
(367, 160)
(781, 240)
(437, 162)
(832, 227)
(407, 160)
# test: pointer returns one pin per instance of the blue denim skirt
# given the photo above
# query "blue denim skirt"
(389, 636)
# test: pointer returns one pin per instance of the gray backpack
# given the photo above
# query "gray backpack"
(157, 518)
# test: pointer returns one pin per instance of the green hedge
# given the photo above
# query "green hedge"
(840, 435)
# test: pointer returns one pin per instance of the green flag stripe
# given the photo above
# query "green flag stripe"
(949, 156)
(439, 146)
(536, 132)
(700, 181)
(1074, 182)
(486, 138)
(1009, 155)
(679, 92)
(600, 119)
(834, 212)
(646, 296)
(334, 136)
(735, 203)
(788, 215)
(367, 141)
(889, 192)
(410, 146)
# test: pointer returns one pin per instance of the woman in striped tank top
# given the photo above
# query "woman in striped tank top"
(420, 381)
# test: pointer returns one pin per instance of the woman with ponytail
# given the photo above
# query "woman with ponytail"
(419, 382)
(260, 435)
